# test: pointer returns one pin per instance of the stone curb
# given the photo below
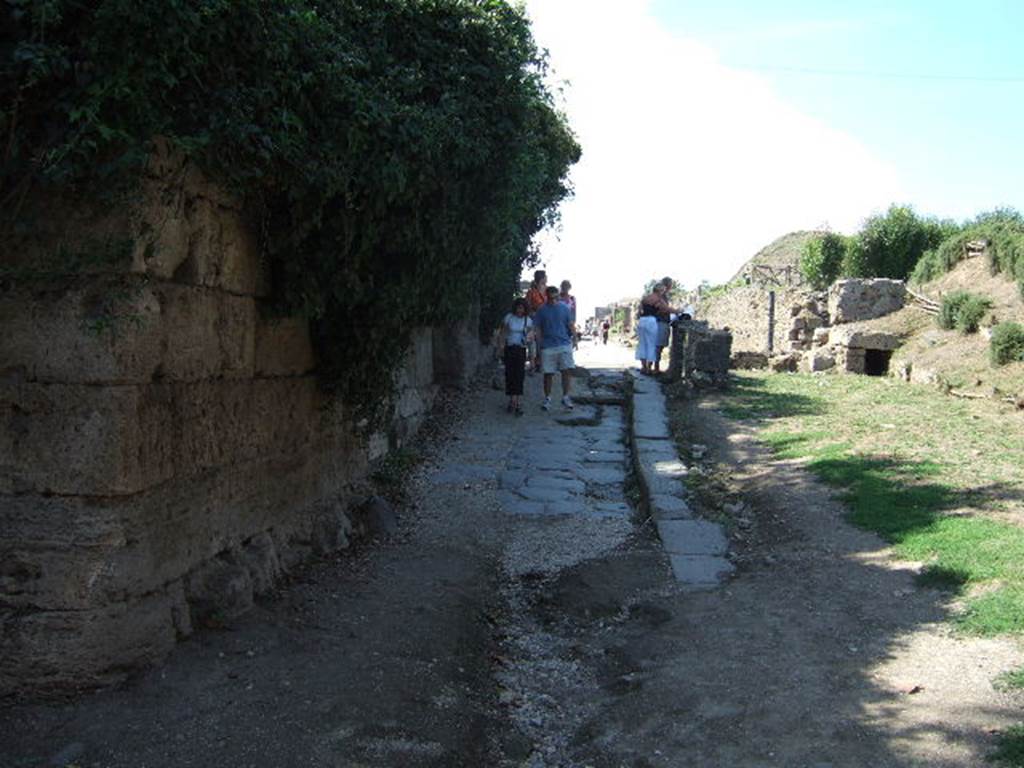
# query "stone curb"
(696, 548)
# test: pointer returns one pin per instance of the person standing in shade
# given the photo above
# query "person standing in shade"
(570, 301)
(516, 330)
(535, 299)
(555, 331)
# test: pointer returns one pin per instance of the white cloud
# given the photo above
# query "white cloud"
(688, 166)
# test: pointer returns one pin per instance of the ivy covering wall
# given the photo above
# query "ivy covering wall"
(396, 156)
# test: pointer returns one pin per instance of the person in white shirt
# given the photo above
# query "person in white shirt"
(513, 337)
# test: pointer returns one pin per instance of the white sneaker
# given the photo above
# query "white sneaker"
(567, 402)
(546, 405)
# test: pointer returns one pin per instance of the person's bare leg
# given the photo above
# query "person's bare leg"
(548, 380)
(566, 383)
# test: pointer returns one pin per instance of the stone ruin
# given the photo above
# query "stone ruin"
(820, 342)
(856, 299)
(699, 354)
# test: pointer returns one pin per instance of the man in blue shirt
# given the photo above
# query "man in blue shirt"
(555, 331)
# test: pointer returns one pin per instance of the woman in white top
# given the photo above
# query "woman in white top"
(516, 331)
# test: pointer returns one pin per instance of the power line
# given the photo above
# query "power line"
(890, 75)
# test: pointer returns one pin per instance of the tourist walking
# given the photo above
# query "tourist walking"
(605, 329)
(536, 297)
(514, 335)
(555, 332)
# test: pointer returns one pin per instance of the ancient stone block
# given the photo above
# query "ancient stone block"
(786, 363)
(821, 337)
(60, 650)
(218, 591)
(749, 360)
(259, 556)
(813, 362)
(283, 347)
(864, 339)
(123, 332)
(73, 439)
(856, 299)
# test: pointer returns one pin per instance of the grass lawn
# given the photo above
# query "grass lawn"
(941, 479)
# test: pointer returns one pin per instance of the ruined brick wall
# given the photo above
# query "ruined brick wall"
(165, 450)
(744, 311)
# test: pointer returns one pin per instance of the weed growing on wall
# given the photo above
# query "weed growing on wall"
(398, 155)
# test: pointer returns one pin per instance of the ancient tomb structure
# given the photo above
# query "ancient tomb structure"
(833, 337)
(166, 450)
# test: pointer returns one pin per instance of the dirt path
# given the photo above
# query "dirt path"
(491, 632)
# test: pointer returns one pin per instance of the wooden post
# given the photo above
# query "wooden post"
(771, 322)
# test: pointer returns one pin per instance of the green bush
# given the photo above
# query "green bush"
(1007, 343)
(963, 311)
(1003, 229)
(891, 244)
(949, 310)
(822, 260)
(397, 155)
(971, 313)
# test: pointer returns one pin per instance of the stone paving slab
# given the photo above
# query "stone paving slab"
(463, 473)
(655, 450)
(544, 494)
(604, 457)
(613, 509)
(512, 478)
(604, 475)
(695, 547)
(692, 537)
(700, 571)
(555, 482)
(669, 507)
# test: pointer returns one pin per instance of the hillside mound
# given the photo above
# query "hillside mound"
(780, 253)
(960, 360)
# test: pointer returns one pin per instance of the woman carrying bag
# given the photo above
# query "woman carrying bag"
(515, 332)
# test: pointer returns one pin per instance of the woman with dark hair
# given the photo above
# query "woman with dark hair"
(514, 335)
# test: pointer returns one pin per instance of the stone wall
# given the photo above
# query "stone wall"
(165, 449)
(856, 299)
(744, 311)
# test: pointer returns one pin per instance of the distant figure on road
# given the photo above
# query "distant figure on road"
(605, 329)
(515, 333)
(555, 333)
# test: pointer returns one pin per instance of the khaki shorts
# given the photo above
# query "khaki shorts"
(555, 359)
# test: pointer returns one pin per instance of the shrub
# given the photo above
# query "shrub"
(891, 244)
(822, 259)
(1007, 344)
(971, 312)
(949, 310)
(1002, 228)
(397, 155)
(963, 311)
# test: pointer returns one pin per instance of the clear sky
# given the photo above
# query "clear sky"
(709, 129)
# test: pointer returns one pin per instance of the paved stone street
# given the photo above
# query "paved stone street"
(552, 600)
